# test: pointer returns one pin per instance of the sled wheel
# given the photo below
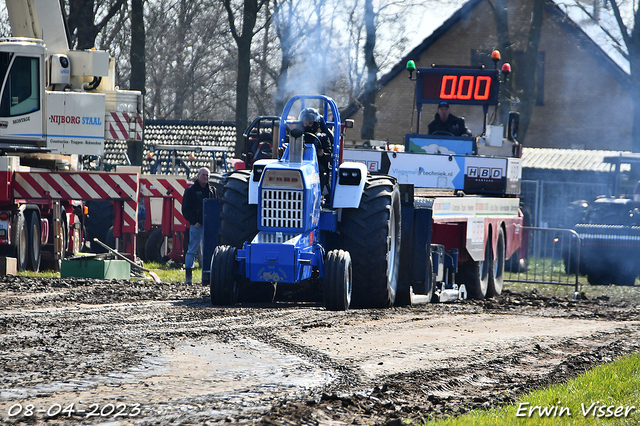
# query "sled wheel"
(496, 279)
(223, 280)
(371, 235)
(475, 275)
(337, 281)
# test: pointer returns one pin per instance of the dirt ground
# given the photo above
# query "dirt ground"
(81, 351)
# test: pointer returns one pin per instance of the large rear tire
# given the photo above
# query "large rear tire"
(223, 277)
(34, 241)
(20, 241)
(496, 279)
(337, 281)
(371, 235)
(238, 218)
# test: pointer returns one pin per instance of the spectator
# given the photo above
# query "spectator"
(192, 201)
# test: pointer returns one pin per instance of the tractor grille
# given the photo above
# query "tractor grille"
(281, 208)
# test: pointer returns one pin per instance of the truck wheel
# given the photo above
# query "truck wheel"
(223, 282)
(371, 235)
(20, 241)
(238, 219)
(153, 247)
(337, 280)
(496, 279)
(475, 275)
(34, 241)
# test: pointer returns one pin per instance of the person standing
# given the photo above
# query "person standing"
(192, 202)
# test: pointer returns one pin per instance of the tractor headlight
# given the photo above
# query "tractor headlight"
(350, 176)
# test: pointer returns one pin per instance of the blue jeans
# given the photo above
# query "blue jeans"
(195, 239)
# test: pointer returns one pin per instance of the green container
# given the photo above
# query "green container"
(95, 268)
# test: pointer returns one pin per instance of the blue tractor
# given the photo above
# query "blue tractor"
(305, 219)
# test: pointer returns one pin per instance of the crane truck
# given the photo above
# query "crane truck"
(56, 106)
(388, 228)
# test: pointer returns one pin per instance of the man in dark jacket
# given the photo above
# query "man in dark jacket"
(192, 211)
(446, 122)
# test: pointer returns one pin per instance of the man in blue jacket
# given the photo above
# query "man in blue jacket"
(192, 201)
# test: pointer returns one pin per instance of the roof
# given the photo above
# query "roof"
(569, 159)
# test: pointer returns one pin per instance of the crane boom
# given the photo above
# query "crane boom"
(39, 19)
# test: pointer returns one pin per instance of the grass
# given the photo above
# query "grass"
(165, 272)
(608, 394)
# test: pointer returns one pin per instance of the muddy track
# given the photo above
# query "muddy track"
(159, 354)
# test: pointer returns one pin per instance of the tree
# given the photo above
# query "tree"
(188, 54)
(526, 65)
(138, 72)
(82, 16)
(370, 92)
(248, 14)
(367, 24)
(631, 37)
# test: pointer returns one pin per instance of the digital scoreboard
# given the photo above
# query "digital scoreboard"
(457, 86)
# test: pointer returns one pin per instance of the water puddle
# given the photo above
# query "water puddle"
(242, 373)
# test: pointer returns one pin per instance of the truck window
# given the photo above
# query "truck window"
(21, 93)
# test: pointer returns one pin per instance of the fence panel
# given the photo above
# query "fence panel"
(552, 257)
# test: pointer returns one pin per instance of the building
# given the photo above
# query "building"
(582, 101)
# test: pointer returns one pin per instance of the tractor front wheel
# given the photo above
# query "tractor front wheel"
(337, 281)
(223, 276)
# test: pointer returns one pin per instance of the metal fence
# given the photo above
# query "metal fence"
(552, 256)
(547, 201)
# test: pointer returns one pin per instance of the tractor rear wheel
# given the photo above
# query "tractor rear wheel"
(496, 279)
(238, 219)
(223, 279)
(337, 281)
(371, 235)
